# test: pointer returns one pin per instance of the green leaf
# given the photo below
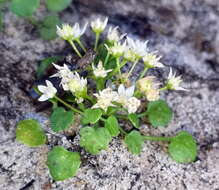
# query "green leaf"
(47, 28)
(134, 120)
(91, 116)
(57, 5)
(24, 8)
(134, 141)
(45, 64)
(30, 133)
(183, 148)
(159, 113)
(111, 110)
(61, 119)
(63, 164)
(112, 126)
(93, 140)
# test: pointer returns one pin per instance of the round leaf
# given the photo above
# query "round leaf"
(183, 148)
(48, 27)
(112, 126)
(61, 119)
(91, 116)
(93, 140)
(57, 5)
(159, 113)
(134, 120)
(134, 142)
(24, 8)
(30, 133)
(63, 164)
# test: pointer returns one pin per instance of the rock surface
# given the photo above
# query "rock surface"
(187, 35)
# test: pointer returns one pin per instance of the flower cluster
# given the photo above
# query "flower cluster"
(124, 51)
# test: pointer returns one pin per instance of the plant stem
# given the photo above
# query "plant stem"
(89, 98)
(68, 105)
(143, 72)
(132, 68)
(106, 59)
(122, 130)
(96, 41)
(151, 138)
(142, 114)
(100, 83)
(164, 88)
(75, 48)
(81, 45)
(118, 66)
(117, 69)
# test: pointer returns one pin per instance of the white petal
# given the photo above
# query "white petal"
(181, 88)
(170, 73)
(49, 84)
(57, 66)
(121, 89)
(43, 98)
(42, 88)
(130, 91)
(55, 75)
(84, 29)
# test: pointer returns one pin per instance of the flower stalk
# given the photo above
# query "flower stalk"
(74, 47)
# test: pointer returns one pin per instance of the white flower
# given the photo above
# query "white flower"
(138, 47)
(98, 26)
(105, 99)
(151, 60)
(66, 32)
(173, 82)
(65, 74)
(117, 50)
(99, 71)
(129, 55)
(152, 94)
(125, 97)
(132, 104)
(149, 88)
(71, 33)
(48, 91)
(77, 32)
(77, 84)
(113, 34)
(125, 94)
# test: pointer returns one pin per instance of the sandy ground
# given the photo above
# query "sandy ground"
(185, 33)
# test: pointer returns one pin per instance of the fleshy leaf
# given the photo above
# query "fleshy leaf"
(134, 120)
(183, 148)
(93, 140)
(159, 113)
(47, 28)
(112, 126)
(91, 116)
(63, 164)
(61, 119)
(30, 133)
(57, 5)
(24, 8)
(134, 142)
